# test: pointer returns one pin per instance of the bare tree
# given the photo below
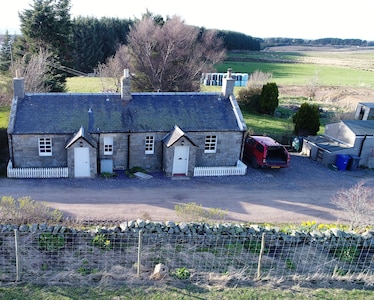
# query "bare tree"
(170, 56)
(112, 70)
(258, 79)
(34, 69)
(357, 204)
(312, 86)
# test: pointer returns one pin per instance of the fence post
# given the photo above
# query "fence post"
(139, 251)
(260, 256)
(18, 258)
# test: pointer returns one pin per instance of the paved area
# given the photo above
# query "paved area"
(301, 192)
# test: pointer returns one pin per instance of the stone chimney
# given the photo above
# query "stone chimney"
(228, 84)
(126, 86)
(19, 87)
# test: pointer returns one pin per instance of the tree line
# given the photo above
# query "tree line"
(278, 41)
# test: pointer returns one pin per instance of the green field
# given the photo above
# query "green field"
(299, 68)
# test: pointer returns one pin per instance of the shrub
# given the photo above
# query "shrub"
(182, 273)
(306, 120)
(101, 241)
(249, 99)
(254, 246)
(193, 212)
(357, 204)
(269, 98)
(346, 254)
(51, 242)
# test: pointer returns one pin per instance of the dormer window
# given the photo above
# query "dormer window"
(45, 147)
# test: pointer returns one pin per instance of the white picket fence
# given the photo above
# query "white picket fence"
(239, 169)
(36, 172)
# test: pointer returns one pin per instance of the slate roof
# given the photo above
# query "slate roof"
(173, 136)
(81, 135)
(60, 113)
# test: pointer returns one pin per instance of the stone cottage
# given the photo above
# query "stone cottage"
(82, 135)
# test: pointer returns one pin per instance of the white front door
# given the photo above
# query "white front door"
(81, 162)
(180, 163)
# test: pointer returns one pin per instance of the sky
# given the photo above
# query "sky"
(304, 19)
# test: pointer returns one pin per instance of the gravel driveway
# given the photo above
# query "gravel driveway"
(301, 192)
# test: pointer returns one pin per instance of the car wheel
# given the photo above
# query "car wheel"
(254, 163)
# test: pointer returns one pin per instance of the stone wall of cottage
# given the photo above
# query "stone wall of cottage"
(227, 154)
(137, 155)
(120, 149)
(228, 149)
(25, 152)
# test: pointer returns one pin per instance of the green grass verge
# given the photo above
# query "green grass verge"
(33, 292)
(4, 116)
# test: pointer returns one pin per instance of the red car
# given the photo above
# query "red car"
(265, 152)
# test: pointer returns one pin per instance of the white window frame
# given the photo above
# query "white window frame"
(45, 146)
(149, 144)
(108, 145)
(210, 144)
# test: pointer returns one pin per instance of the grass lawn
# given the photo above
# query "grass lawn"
(4, 116)
(89, 84)
(189, 291)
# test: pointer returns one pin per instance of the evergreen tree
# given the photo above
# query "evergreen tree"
(47, 26)
(6, 56)
(269, 98)
(94, 40)
(306, 120)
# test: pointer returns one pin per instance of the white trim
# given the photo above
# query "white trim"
(239, 169)
(45, 146)
(36, 172)
(210, 141)
(108, 145)
(149, 144)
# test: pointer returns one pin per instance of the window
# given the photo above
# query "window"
(149, 144)
(210, 144)
(108, 145)
(45, 147)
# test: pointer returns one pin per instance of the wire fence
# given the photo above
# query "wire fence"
(78, 258)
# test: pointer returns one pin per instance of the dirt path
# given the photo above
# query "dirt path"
(299, 193)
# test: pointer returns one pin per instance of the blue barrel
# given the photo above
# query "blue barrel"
(342, 161)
